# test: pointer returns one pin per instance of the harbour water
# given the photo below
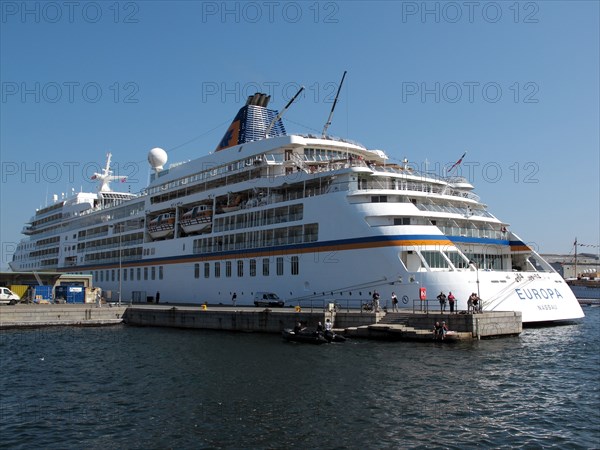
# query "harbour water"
(128, 387)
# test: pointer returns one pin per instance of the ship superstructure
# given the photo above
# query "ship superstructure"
(307, 217)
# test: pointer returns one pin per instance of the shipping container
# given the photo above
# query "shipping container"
(69, 294)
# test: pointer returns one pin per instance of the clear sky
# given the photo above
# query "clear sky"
(515, 84)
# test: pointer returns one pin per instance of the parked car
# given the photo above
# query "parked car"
(268, 299)
(8, 297)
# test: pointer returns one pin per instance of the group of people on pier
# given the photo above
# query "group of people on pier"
(473, 303)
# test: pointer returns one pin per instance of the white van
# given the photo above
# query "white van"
(8, 297)
(267, 299)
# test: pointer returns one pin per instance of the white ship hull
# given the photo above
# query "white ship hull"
(316, 220)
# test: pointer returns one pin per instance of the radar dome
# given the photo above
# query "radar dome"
(157, 158)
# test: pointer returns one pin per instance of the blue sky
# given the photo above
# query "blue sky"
(515, 84)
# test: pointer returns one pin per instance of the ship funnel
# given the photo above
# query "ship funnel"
(252, 122)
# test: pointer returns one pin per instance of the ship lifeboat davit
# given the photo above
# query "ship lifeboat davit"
(162, 225)
(197, 219)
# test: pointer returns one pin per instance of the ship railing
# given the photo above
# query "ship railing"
(467, 212)
(400, 185)
(474, 232)
(111, 246)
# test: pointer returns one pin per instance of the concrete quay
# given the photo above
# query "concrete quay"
(354, 323)
(405, 325)
(24, 315)
(247, 319)
(418, 326)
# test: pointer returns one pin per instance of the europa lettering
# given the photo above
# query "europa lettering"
(538, 294)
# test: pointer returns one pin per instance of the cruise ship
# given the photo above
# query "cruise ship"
(311, 218)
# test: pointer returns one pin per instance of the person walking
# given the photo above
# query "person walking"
(451, 301)
(394, 302)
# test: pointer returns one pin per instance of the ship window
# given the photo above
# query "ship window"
(139, 273)
(145, 273)
(379, 198)
(252, 267)
(196, 270)
(295, 265)
(101, 276)
(279, 265)
(435, 259)
(228, 269)
(457, 260)
(153, 272)
(265, 267)
(401, 220)
(112, 275)
(160, 272)
(311, 232)
(206, 270)
(124, 274)
(217, 270)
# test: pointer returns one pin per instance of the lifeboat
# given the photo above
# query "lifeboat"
(162, 225)
(235, 205)
(197, 219)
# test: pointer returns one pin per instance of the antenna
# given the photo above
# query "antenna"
(274, 121)
(333, 106)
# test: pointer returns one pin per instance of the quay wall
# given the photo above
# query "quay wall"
(487, 324)
(265, 320)
(59, 315)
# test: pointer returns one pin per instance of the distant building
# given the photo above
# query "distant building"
(587, 263)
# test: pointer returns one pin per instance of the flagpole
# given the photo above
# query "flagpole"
(575, 244)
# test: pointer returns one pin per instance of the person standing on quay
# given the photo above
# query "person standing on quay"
(442, 300)
(375, 301)
(233, 298)
(451, 300)
(157, 297)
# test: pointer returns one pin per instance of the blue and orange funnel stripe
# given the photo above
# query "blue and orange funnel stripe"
(251, 122)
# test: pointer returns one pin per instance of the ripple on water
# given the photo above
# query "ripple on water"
(160, 388)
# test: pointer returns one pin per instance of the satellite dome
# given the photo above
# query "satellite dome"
(157, 158)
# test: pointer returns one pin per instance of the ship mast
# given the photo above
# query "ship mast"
(274, 121)
(106, 176)
(575, 257)
(333, 106)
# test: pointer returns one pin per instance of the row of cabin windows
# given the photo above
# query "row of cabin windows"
(130, 274)
(252, 266)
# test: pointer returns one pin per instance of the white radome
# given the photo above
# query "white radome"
(157, 158)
